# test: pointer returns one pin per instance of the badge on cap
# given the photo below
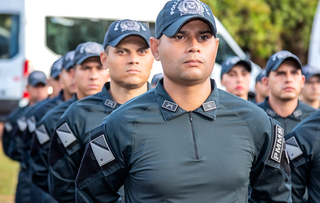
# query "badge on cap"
(91, 48)
(101, 150)
(110, 103)
(170, 106)
(22, 124)
(31, 124)
(293, 148)
(42, 134)
(278, 144)
(65, 134)
(208, 106)
(190, 7)
(128, 25)
(281, 55)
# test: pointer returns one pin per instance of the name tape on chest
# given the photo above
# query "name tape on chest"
(31, 124)
(278, 144)
(8, 127)
(293, 148)
(101, 150)
(22, 124)
(65, 134)
(42, 134)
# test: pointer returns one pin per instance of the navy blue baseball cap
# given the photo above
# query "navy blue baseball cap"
(276, 60)
(261, 75)
(86, 50)
(121, 29)
(68, 60)
(232, 61)
(56, 68)
(156, 78)
(309, 71)
(37, 77)
(176, 13)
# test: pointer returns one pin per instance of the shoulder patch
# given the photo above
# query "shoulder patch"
(42, 134)
(31, 124)
(22, 124)
(8, 127)
(65, 134)
(277, 144)
(293, 148)
(101, 150)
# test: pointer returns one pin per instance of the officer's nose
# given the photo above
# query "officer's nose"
(133, 59)
(94, 74)
(193, 45)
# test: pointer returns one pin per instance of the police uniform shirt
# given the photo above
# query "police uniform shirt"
(44, 131)
(162, 153)
(301, 112)
(10, 129)
(303, 146)
(70, 137)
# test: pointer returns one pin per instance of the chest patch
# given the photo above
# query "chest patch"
(101, 150)
(65, 134)
(42, 134)
(278, 144)
(293, 148)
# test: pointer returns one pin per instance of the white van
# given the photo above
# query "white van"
(314, 47)
(46, 29)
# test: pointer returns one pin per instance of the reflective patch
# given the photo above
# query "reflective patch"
(278, 144)
(208, 106)
(22, 124)
(270, 112)
(8, 127)
(42, 134)
(293, 148)
(297, 113)
(110, 103)
(101, 150)
(31, 124)
(65, 134)
(170, 106)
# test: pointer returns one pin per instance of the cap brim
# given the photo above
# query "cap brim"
(82, 59)
(55, 75)
(116, 41)
(274, 68)
(308, 76)
(246, 64)
(173, 29)
(36, 82)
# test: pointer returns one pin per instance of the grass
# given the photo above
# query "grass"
(8, 177)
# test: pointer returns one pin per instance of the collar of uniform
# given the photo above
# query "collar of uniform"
(170, 109)
(60, 98)
(107, 100)
(296, 115)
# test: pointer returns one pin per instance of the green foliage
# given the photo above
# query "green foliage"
(264, 27)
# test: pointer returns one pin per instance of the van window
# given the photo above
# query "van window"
(224, 50)
(64, 34)
(9, 35)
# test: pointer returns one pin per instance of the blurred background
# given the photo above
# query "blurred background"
(35, 33)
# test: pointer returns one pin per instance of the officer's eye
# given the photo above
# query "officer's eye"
(121, 52)
(178, 37)
(142, 51)
(203, 37)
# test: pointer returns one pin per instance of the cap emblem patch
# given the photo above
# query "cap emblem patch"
(190, 7)
(281, 55)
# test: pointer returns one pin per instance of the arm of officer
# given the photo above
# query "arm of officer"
(6, 137)
(16, 144)
(314, 181)
(103, 167)
(270, 173)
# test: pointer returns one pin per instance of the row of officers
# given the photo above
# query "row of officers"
(106, 135)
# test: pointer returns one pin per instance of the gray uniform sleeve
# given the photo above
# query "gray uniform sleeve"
(270, 178)
(102, 172)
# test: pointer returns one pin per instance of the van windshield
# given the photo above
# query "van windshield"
(224, 50)
(64, 34)
(9, 35)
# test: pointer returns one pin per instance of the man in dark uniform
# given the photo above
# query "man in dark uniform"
(303, 146)
(129, 59)
(261, 90)
(185, 140)
(235, 76)
(37, 88)
(285, 80)
(310, 93)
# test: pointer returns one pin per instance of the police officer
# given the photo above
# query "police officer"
(185, 140)
(235, 76)
(37, 88)
(310, 93)
(129, 59)
(285, 80)
(261, 90)
(303, 146)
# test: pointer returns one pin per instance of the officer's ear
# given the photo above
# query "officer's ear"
(103, 59)
(265, 81)
(154, 45)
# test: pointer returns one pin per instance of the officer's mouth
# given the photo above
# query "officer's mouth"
(193, 62)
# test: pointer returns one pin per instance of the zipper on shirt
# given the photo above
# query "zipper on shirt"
(193, 136)
(285, 126)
